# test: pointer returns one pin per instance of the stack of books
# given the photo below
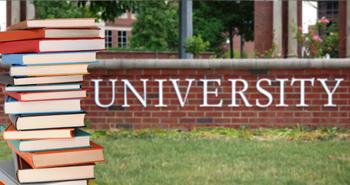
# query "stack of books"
(48, 59)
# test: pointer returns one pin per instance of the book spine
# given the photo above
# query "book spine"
(16, 59)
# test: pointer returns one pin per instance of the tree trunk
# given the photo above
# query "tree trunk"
(231, 42)
(242, 45)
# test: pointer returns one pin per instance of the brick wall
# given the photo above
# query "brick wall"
(192, 115)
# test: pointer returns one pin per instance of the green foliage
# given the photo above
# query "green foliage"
(61, 9)
(297, 133)
(321, 40)
(105, 10)
(270, 53)
(213, 20)
(195, 45)
(156, 27)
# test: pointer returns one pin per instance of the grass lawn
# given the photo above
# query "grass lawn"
(190, 158)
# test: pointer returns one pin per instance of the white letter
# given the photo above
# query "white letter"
(160, 93)
(241, 93)
(302, 89)
(282, 81)
(206, 92)
(329, 93)
(97, 92)
(264, 92)
(177, 90)
(127, 85)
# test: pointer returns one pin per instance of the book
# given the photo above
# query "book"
(81, 139)
(43, 88)
(12, 134)
(43, 33)
(58, 158)
(49, 58)
(55, 23)
(54, 95)
(6, 79)
(13, 106)
(51, 45)
(26, 174)
(47, 121)
(8, 175)
(49, 70)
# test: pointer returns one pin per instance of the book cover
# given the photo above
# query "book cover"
(43, 88)
(12, 106)
(81, 139)
(42, 33)
(6, 79)
(58, 158)
(55, 23)
(12, 134)
(53, 95)
(51, 45)
(49, 58)
(47, 121)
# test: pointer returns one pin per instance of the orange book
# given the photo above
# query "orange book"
(52, 95)
(12, 134)
(59, 158)
(48, 34)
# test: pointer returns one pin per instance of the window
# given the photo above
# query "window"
(122, 39)
(328, 9)
(108, 38)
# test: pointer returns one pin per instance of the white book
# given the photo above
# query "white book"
(41, 88)
(55, 23)
(8, 175)
(53, 106)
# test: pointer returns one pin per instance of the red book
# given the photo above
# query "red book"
(58, 158)
(48, 33)
(52, 95)
(51, 45)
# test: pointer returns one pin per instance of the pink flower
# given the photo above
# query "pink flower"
(324, 20)
(317, 38)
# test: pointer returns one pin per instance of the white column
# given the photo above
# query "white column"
(30, 9)
(15, 11)
(277, 27)
(292, 27)
(347, 29)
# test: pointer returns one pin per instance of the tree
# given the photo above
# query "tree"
(105, 10)
(214, 18)
(156, 26)
(61, 9)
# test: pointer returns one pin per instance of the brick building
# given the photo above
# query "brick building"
(273, 19)
(117, 33)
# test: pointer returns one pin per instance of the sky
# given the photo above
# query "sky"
(309, 14)
(2, 15)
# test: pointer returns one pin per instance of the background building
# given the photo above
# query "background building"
(273, 22)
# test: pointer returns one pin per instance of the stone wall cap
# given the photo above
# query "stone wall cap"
(340, 63)
(222, 63)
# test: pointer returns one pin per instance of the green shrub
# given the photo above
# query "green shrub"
(196, 45)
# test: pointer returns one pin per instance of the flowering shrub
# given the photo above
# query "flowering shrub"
(320, 41)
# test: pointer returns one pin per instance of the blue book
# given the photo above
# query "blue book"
(49, 58)
(81, 139)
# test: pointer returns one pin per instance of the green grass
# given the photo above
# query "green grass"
(222, 156)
